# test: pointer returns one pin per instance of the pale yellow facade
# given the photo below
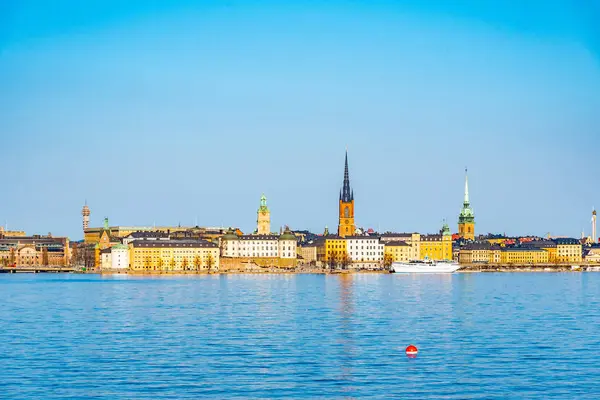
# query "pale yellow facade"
(173, 256)
(568, 253)
(524, 256)
(436, 247)
(398, 252)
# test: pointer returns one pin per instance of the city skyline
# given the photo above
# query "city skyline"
(138, 109)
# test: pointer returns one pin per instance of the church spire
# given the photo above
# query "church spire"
(347, 194)
(466, 188)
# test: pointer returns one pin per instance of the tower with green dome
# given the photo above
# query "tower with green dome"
(263, 220)
(466, 218)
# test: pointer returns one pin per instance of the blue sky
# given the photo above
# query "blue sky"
(170, 111)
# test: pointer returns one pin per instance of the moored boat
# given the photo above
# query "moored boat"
(425, 267)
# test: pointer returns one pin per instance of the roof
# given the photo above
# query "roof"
(394, 234)
(431, 238)
(259, 237)
(477, 246)
(173, 243)
(564, 241)
(395, 243)
(522, 249)
(542, 244)
(140, 235)
(362, 237)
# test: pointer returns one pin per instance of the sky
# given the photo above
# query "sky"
(177, 112)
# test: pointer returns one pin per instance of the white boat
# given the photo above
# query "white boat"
(425, 267)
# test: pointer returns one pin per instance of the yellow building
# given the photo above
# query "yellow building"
(398, 251)
(173, 255)
(568, 250)
(523, 255)
(335, 248)
(480, 253)
(437, 247)
(412, 239)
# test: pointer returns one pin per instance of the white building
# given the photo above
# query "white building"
(365, 249)
(259, 246)
(119, 257)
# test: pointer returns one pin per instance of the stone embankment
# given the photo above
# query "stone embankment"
(528, 268)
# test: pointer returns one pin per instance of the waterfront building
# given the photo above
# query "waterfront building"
(32, 251)
(548, 245)
(437, 247)
(365, 251)
(346, 225)
(523, 255)
(466, 218)
(568, 250)
(309, 251)
(398, 251)
(264, 250)
(480, 253)
(592, 255)
(412, 239)
(263, 217)
(173, 255)
(335, 250)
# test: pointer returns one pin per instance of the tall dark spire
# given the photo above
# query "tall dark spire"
(347, 195)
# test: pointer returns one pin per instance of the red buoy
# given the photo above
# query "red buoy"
(411, 351)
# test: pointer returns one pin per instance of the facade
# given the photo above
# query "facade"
(309, 252)
(398, 251)
(173, 256)
(119, 257)
(523, 255)
(346, 225)
(437, 247)
(33, 251)
(263, 217)
(262, 249)
(412, 239)
(480, 253)
(365, 249)
(335, 249)
(466, 218)
(568, 250)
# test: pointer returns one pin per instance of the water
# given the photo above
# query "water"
(300, 336)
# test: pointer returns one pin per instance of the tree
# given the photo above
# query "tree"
(388, 260)
(210, 262)
(197, 263)
(172, 264)
(184, 264)
(332, 261)
(345, 260)
(161, 264)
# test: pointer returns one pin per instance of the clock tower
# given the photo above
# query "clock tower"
(263, 219)
(346, 226)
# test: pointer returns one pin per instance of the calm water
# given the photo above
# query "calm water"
(300, 336)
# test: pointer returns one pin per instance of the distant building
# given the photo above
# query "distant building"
(172, 255)
(398, 251)
(365, 250)
(31, 251)
(346, 225)
(568, 250)
(466, 218)
(263, 217)
(437, 247)
(274, 250)
(412, 239)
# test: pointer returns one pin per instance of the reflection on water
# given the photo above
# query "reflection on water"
(300, 336)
